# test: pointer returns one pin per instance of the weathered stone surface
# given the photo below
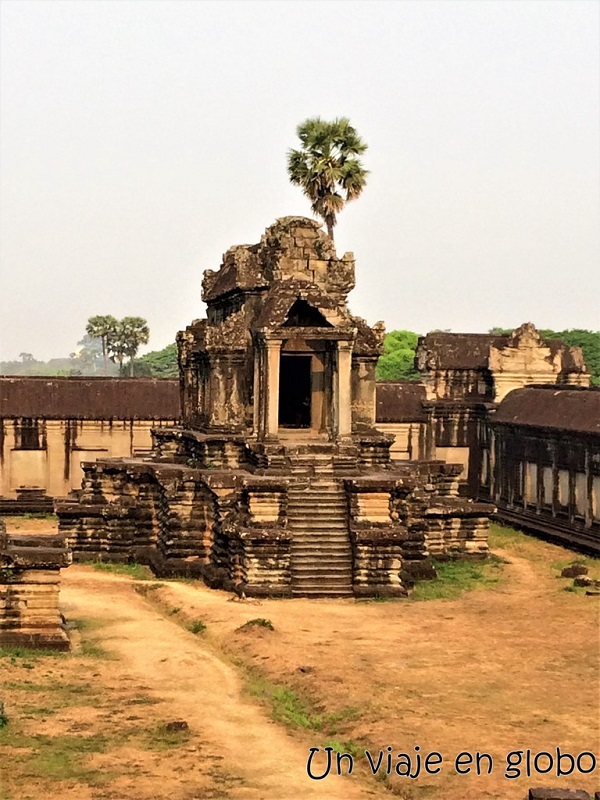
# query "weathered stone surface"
(278, 482)
(558, 794)
(29, 584)
(574, 571)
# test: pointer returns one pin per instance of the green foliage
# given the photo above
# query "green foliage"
(327, 165)
(159, 363)
(350, 746)
(458, 576)
(104, 328)
(398, 359)
(60, 758)
(589, 341)
(3, 717)
(161, 738)
(119, 338)
(137, 571)
(197, 626)
(259, 622)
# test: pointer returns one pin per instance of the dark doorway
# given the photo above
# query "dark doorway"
(294, 391)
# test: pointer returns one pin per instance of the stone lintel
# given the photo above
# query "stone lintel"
(31, 551)
(456, 506)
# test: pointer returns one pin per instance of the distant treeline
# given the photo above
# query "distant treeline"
(396, 363)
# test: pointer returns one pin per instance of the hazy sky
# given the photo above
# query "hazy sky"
(142, 139)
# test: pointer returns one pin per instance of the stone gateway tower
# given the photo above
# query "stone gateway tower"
(277, 482)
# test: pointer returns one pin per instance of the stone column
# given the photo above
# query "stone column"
(273, 349)
(256, 391)
(344, 389)
(29, 583)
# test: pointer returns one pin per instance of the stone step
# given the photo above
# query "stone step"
(335, 540)
(318, 500)
(333, 500)
(322, 586)
(315, 512)
(319, 535)
(321, 591)
(317, 524)
(305, 548)
(335, 572)
(315, 490)
(305, 555)
(309, 512)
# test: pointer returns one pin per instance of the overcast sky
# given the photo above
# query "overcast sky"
(142, 139)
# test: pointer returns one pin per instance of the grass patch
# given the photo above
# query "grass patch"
(40, 515)
(593, 564)
(55, 694)
(351, 747)
(159, 738)
(29, 654)
(59, 757)
(379, 598)
(138, 572)
(88, 645)
(91, 649)
(457, 577)
(143, 700)
(197, 626)
(503, 536)
(291, 710)
(284, 704)
(259, 622)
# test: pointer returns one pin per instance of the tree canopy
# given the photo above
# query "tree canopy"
(119, 338)
(159, 363)
(327, 167)
(104, 328)
(398, 359)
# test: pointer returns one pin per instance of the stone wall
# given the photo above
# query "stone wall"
(541, 462)
(49, 426)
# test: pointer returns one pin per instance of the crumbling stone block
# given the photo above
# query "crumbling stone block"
(29, 586)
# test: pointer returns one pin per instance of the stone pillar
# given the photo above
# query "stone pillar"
(273, 348)
(344, 389)
(29, 582)
(256, 391)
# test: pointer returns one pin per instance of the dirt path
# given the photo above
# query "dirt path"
(174, 666)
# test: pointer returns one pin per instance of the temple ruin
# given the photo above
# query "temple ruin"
(278, 482)
(29, 585)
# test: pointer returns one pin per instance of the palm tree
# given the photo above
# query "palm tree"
(103, 328)
(328, 165)
(134, 332)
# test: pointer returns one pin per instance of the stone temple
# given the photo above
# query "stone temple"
(277, 482)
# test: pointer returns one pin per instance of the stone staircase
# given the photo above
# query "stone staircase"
(321, 554)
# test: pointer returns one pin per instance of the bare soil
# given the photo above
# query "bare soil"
(510, 666)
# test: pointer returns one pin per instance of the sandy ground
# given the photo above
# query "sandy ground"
(509, 667)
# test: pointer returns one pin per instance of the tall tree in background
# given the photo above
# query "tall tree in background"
(159, 363)
(103, 328)
(327, 166)
(398, 359)
(133, 332)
